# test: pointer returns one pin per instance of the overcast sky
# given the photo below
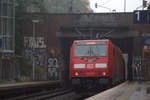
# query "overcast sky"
(117, 5)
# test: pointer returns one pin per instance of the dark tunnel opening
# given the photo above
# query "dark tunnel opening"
(125, 44)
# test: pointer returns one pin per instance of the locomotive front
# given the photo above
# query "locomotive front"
(89, 61)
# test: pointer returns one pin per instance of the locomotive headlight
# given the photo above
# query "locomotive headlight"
(101, 65)
(79, 65)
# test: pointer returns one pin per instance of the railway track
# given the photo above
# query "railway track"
(36, 91)
(47, 92)
(63, 93)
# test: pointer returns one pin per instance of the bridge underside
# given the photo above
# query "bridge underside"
(94, 32)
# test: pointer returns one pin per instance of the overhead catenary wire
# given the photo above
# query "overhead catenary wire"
(80, 33)
(101, 5)
(105, 2)
(106, 34)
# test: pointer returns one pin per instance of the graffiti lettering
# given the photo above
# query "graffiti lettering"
(37, 42)
(52, 62)
(52, 71)
(40, 58)
(44, 61)
(28, 54)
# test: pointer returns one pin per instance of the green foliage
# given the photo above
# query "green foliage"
(148, 7)
(67, 6)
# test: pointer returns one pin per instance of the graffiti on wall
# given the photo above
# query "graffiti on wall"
(40, 56)
(37, 42)
(27, 54)
(52, 67)
(47, 59)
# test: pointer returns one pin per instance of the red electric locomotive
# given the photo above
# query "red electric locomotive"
(95, 62)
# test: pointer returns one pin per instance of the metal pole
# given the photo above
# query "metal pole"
(143, 5)
(2, 36)
(71, 6)
(13, 37)
(14, 25)
(124, 5)
(1, 75)
(33, 59)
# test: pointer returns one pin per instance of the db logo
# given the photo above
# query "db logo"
(90, 66)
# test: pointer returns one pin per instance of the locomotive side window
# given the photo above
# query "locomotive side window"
(87, 49)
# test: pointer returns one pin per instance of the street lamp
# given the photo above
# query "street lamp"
(33, 58)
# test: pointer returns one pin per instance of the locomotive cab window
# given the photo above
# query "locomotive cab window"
(90, 49)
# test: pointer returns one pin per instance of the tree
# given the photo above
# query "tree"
(148, 8)
(67, 6)
(81, 6)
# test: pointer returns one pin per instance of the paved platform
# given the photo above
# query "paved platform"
(126, 91)
(27, 84)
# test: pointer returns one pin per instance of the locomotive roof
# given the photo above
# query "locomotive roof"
(91, 40)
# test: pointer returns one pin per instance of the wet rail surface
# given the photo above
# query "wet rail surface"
(52, 92)
(10, 91)
(55, 91)
(56, 94)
